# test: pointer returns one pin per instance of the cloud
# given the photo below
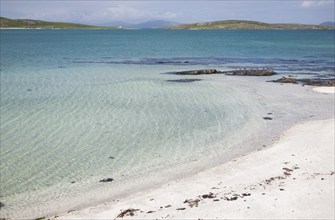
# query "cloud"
(313, 4)
(122, 12)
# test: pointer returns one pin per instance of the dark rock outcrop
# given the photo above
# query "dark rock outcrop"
(318, 82)
(251, 72)
(245, 72)
(286, 80)
(309, 82)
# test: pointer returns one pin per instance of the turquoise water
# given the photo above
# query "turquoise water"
(78, 106)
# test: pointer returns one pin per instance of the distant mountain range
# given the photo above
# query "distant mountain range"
(246, 25)
(28, 23)
(225, 25)
(147, 24)
(328, 23)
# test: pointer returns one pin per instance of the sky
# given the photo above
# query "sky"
(104, 12)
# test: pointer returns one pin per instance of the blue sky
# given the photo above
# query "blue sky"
(102, 12)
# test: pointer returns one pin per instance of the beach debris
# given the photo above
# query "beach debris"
(168, 206)
(192, 202)
(180, 208)
(245, 194)
(40, 218)
(287, 169)
(106, 180)
(127, 212)
(149, 212)
(231, 198)
(267, 118)
(216, 200)
(208, 196)
(281, 189)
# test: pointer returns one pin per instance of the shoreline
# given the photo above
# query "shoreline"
(282, 183)
(139, 186)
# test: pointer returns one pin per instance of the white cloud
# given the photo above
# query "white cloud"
(123, 12)
(313, 4)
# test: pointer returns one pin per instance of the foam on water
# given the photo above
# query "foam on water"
(61, 122)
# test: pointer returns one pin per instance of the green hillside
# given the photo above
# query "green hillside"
(247, 25)
(27, 23)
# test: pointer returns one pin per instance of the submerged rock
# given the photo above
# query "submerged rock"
(1, 205)
(197, 72)
(183, 80)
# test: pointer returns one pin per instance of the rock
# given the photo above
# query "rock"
(1, 205)
(183, 80)
(318, 82)
(245, 72)
(286, 80)
(267, 118)
(251, 72)
(197, 72)
(106, 180)
(309, 82)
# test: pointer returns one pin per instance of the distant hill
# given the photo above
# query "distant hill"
(328, 23)
(28, 23)
(147, 24)
(154, 24)
(246, 25)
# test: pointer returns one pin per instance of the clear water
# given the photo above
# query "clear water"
(71, 99)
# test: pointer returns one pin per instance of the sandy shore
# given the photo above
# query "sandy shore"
(292, 179)
(322, 89)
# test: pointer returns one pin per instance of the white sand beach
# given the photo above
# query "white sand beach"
(293, 179)
(324, 89)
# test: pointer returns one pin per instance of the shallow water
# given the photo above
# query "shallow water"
(78, 106)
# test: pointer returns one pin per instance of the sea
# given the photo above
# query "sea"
(80, 106)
